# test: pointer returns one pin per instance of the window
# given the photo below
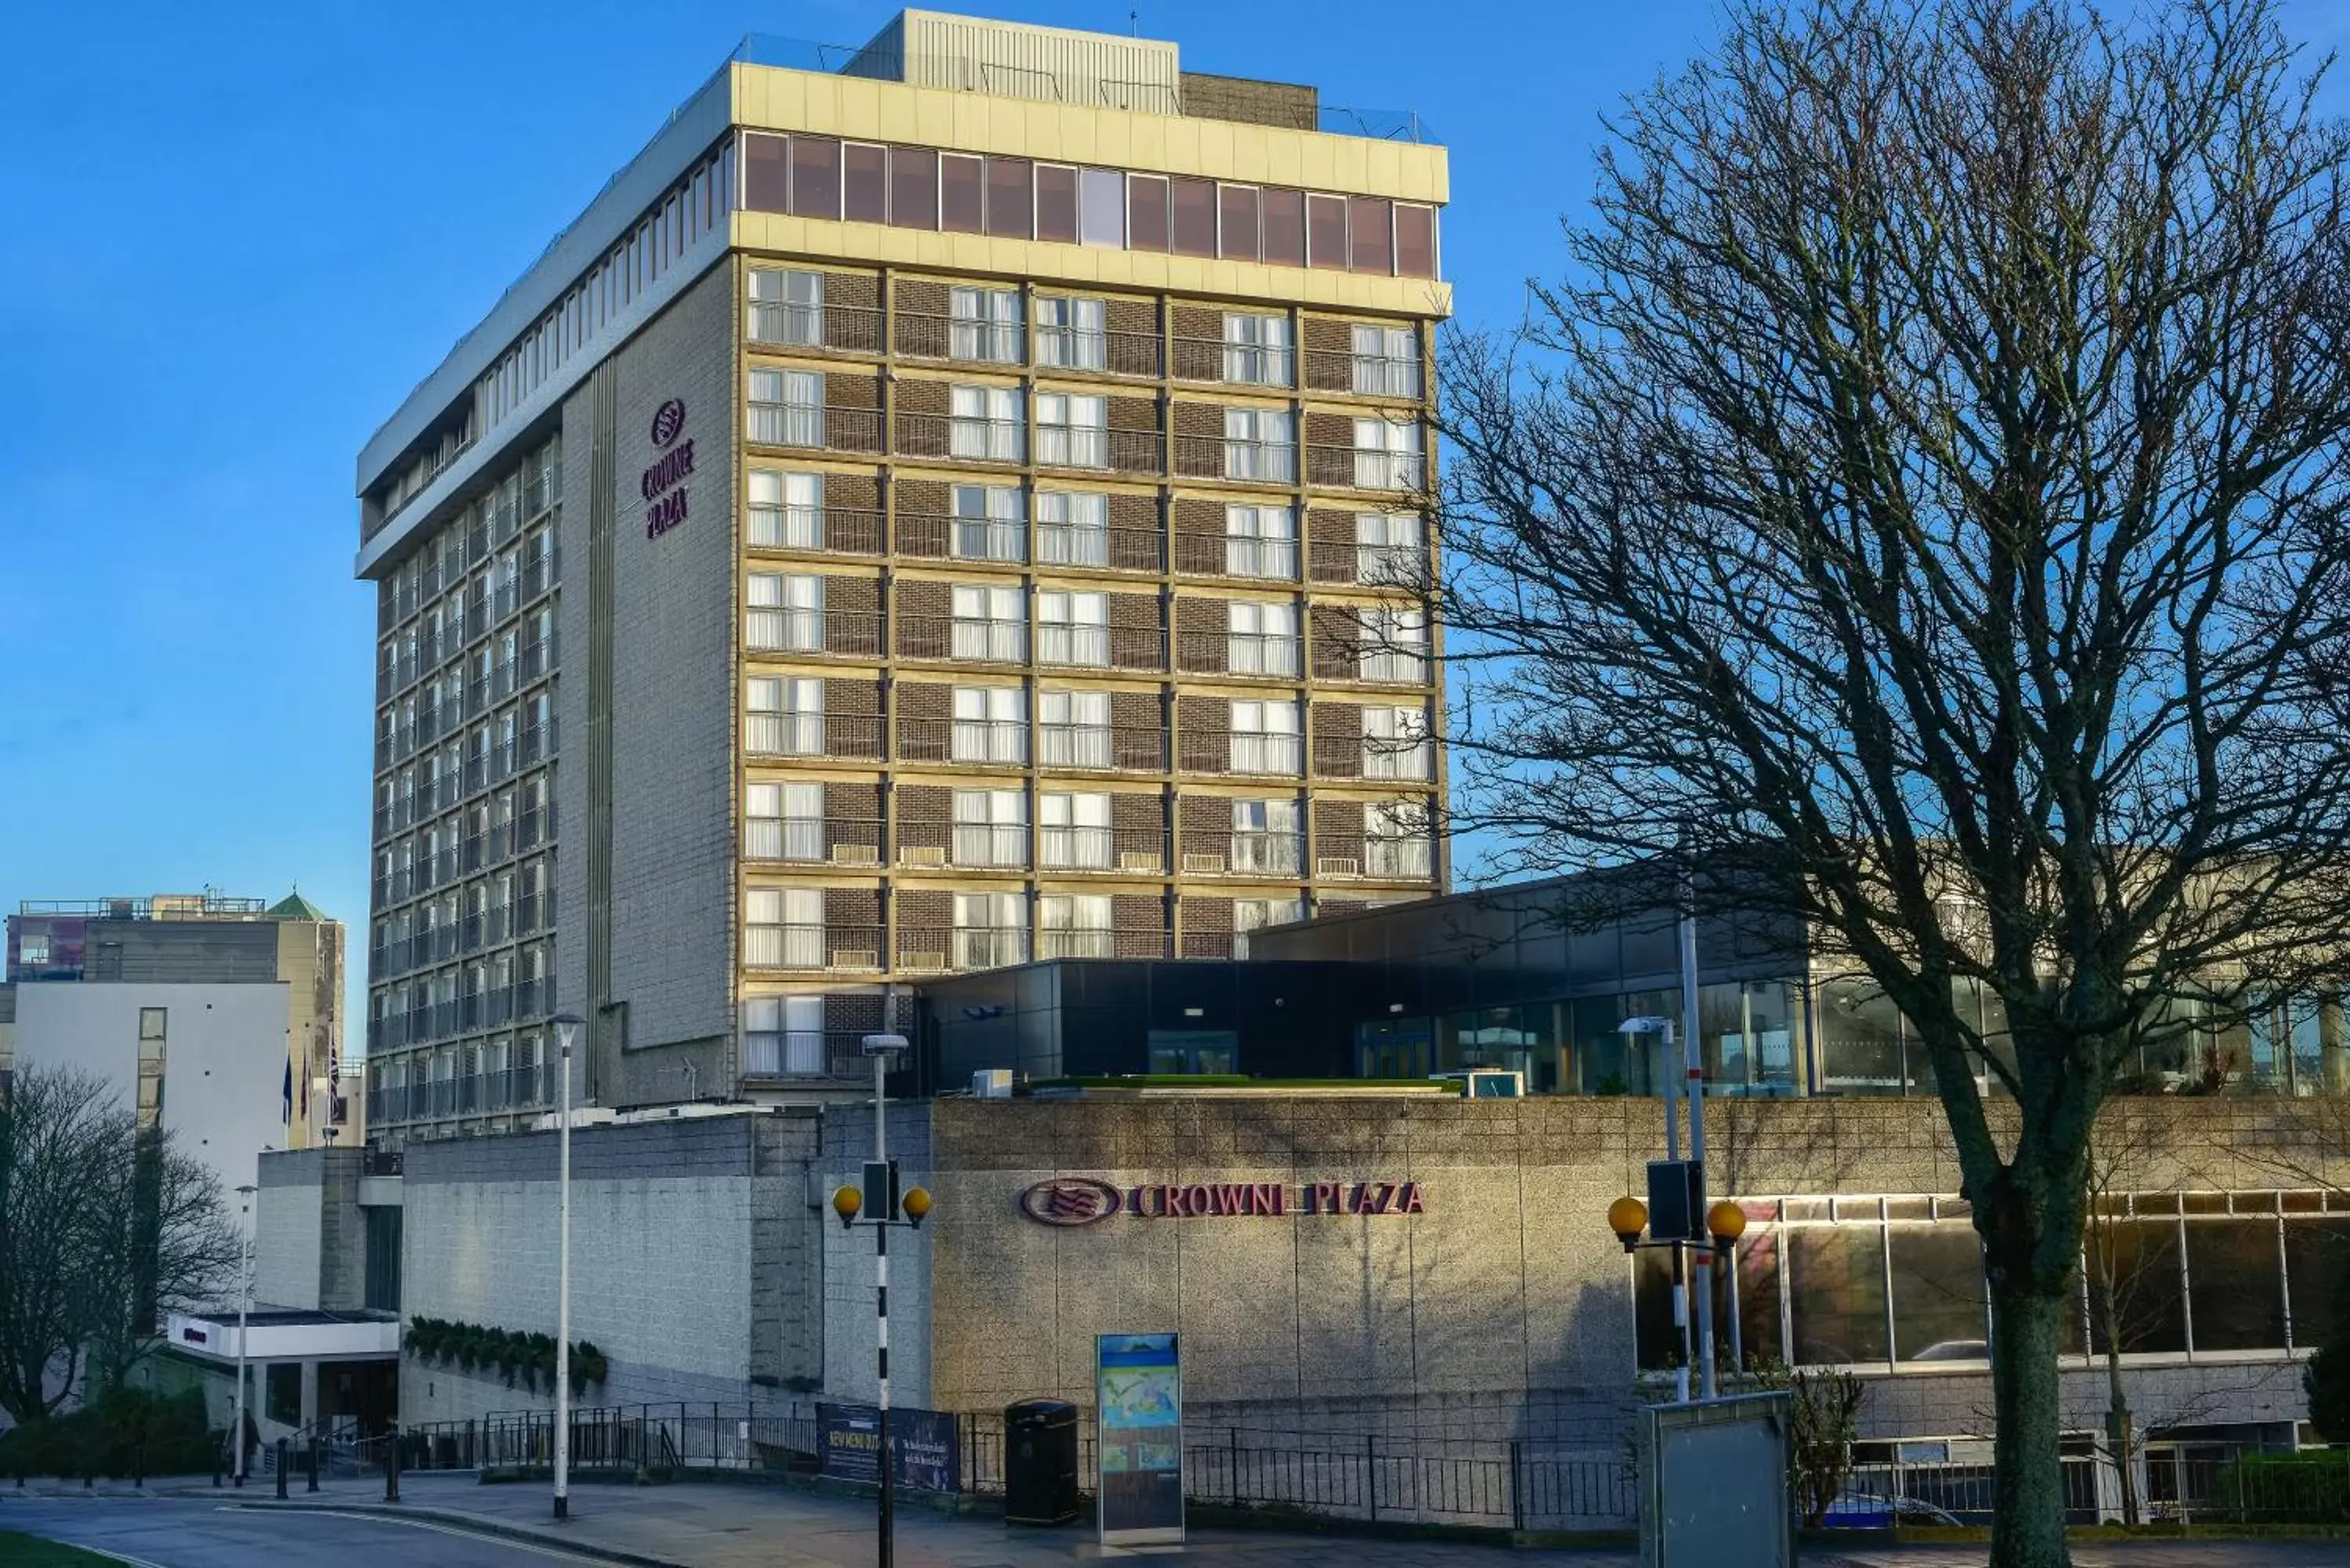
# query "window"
(1070, 334)
(785, 716)
(865, 182)
(1396, 743)
(1056, 203)
(1265, 837)
(1073, 729)
(1255, 914)
(1386, 360)
(282, 1392)
(1256, 348)
(991, 725)
(1145, 213)
(786, 510)
(1072, 528)
(1072, 628)
(987, 523)
(961, 193)
(1193, 231)
(1072, 432)
(1101, 207)
(1386, 454)
(815, 177)
(783, 613)
(990, 623)
(1260, 542)
(1370, 233)
(33, 951)
(787, 408)
(766, 179)
(786, 306)
(1261, 638)
(1395, 645)
(1009, 208)
(1325, 231)
(152, 1021)
(783, 1034)
(1389, 549)
(1074, 832)
(1236, 221)
(1415, 240)
(1265, 737)
(1285, 227)
(1260, 443)
(1395, 839)
(913, 188)
(783, 927)
(991, 929)
(1074, 925)
(984, 324)
(986, 424)
(991, 827)
(1939, 1305)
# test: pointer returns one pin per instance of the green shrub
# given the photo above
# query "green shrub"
(2311, 1487)
(125, 1434)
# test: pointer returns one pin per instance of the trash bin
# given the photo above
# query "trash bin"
(1040, 1462)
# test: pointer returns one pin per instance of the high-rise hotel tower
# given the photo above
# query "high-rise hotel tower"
(955, 501)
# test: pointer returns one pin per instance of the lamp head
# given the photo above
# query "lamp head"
(1628, 1217)
(848, 1202)
(914, 1204)
(1727, 1220)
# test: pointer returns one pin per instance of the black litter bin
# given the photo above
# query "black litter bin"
(1040, 1462)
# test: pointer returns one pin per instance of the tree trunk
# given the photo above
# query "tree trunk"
(2026, 1330)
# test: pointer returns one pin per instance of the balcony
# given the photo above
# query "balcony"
(1000, 741)
(963, 339)
(832, 1053)
(1363, 374)
(1371, 566)
(963, 639)
(828, 949)
(1111, 548)
(1234, 364)
(770, 628)
(1076, 942)
(1395, 757)
(989, 947)
(1239, 653)
(841, 530)
(981, 846)
(791, 838)
(1133, 851)
(1088, 747)
(1257, 753)
(847, 328)
(850, 735)
(964, 439)
(940, 535)
(1097, 352)
(1364, 467)
(815, 428)
(1223, 457)
(1237, 556)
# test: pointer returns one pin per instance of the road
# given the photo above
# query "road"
(174, 1534)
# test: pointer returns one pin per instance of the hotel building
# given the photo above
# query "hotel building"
(945, 504)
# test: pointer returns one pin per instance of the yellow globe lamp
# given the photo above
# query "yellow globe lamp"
(916, 1204)
(1628, 1217)
(1727, 1220)
(847, 1202)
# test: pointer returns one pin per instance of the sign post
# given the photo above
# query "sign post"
(1138, 1441)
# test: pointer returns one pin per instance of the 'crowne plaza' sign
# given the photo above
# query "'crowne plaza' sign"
(1085, 1201)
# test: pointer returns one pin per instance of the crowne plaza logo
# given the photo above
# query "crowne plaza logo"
(1075, 1200)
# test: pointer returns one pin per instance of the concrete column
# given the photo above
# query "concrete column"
(309, 1390)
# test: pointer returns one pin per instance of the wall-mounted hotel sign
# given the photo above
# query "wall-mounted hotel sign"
(663, 482)
(1071, 1200)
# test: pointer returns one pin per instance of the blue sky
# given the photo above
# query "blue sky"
(239, 234)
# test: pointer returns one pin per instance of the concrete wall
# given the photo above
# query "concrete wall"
(667, 781)
(666, 1220)
(1505, 1309)
(224, 1065)
(310, 1240)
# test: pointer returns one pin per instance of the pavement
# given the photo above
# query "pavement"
(454, 1523)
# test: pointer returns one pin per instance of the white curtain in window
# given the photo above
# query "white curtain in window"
(1256, 348)
(986, 423)
(985, 324)
(1073, 528)
(786, 510)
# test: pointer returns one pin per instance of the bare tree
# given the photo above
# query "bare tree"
(1921, 515)
(105, 1229)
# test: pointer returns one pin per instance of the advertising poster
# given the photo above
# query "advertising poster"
(1138, 1432)
(848, 1442)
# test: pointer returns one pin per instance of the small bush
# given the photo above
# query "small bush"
(125, 1434)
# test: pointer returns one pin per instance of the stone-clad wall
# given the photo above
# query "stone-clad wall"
(1505, 1308)
(685, 1236)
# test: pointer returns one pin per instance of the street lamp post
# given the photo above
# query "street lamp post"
(881, 1206)
(244, 1309)
(1696, 1325)
(566, 1033)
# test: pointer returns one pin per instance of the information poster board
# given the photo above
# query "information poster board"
(1138, 1439)
(849, 1437)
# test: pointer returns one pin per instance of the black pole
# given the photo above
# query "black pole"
(285, 1463)
(391, 1463)
(314, 1462)
(881, 1348)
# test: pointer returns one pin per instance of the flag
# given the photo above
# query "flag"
(285, 1112)
(306, 1092)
